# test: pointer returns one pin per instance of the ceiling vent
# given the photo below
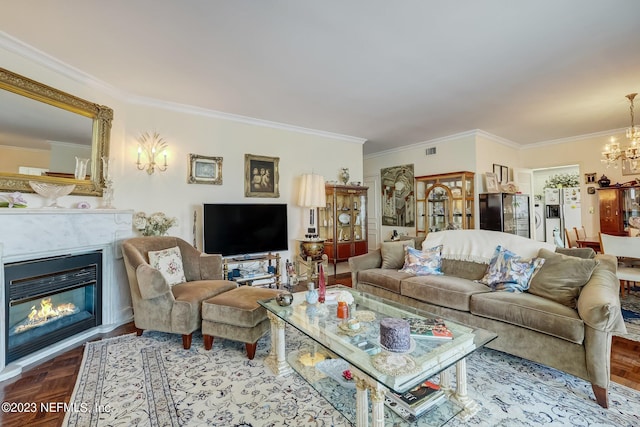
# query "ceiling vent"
(431, 151)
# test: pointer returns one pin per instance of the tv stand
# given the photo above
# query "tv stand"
(265, 274)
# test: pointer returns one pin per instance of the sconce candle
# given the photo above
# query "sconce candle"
(152, 144)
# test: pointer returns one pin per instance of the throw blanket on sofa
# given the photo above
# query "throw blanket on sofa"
(480, 245)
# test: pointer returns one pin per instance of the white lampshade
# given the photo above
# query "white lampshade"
(312, 193)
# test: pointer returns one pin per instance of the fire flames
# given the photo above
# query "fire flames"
(45, 314)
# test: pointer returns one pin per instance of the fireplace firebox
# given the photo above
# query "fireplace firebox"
(51, 299)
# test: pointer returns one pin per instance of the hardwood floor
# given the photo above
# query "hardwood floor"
(52, 381)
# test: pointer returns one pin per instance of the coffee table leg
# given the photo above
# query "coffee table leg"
(276, 360)
(364, 385)
(470, 406)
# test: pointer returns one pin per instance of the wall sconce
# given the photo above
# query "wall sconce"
(152, 145)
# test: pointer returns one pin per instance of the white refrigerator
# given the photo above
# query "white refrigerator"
(562, 210)
(571, 211)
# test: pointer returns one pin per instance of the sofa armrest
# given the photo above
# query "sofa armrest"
(151, 283)
(599, 301)
(211, 267)
(367, 261)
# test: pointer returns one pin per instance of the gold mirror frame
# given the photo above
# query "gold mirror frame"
(101, 115)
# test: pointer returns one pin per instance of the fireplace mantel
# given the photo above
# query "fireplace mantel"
(27, 234)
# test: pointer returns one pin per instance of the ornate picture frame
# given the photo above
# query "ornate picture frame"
(261, 176)
(204, 170)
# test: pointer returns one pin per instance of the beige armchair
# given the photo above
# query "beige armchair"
(178, 308)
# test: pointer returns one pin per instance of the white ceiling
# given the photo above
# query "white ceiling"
(392, 72)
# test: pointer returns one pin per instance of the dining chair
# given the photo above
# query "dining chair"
(623, 247)
(571, 238)
(581, 234)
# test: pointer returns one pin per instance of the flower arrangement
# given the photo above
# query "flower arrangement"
(347, 375)
(155, 224)
(563, 180)
(13, 200)
(345, 296)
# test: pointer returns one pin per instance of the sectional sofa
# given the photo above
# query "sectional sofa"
(565, 320)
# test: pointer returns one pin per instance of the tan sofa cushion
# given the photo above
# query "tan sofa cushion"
(531, 312)
(561, 277)
(383, 278)
(446, 291)
(393, 253)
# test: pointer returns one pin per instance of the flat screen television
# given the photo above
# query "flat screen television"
(243, 229)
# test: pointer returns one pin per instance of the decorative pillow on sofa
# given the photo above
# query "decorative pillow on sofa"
(393, 253)
(169, 263)
(423, 263)
(562, 277)
(508, 272)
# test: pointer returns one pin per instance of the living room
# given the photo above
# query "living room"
(301, 147)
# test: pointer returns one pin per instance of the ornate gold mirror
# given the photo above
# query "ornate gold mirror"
(43, 130)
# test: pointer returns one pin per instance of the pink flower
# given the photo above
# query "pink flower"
(347, 375)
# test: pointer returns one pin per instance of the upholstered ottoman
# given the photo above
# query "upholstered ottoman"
(236, 315)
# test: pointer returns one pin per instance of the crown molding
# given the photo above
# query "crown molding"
(29, 52)
(190, 109)
(601, 134)
(425, 144)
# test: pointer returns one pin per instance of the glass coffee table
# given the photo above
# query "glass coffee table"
(375, 370)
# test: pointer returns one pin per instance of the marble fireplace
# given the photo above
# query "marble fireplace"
(101, 302)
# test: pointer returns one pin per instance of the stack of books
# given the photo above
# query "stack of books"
(416, 401)
(429, 328)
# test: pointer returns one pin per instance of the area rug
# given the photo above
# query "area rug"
(152, 381)
(631, 313)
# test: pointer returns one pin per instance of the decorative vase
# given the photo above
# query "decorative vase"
(344, 175)
(312, 294)
(322, 285)
(343, 310)
(604, 181)
(81, 168)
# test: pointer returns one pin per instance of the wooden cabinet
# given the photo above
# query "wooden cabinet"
(343, 222)
(505, 212)
(444, 202)
(617, 205)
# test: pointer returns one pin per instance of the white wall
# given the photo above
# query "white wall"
(198, 132)
(585, 152)
(453, 154)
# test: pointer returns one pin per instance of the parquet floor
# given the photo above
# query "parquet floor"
(51, 382)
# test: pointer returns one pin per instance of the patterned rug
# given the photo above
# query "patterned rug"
(631, 313)
(151, 381)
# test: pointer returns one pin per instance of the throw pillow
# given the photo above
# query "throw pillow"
(508, 272)
(169, 263)
(562, 277)
(423, 263)
(393, 253)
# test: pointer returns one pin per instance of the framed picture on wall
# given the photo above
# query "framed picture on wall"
(261, 176)
(204, 170)
(502, 173)
(626, 168)
(492, 184)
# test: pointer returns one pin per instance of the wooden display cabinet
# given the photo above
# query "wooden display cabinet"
(617, 205)
(343, 222)
(444, 202)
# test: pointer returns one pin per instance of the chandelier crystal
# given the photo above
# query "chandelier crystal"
(613, 151)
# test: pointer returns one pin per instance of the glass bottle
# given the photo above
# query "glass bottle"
(322, 285)
(343, 310)
(312, 294)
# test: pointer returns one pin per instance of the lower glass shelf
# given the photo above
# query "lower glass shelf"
(343, 398)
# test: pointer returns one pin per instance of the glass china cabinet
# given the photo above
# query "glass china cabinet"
(444, 202)
(617, 205)
(505, 212)
(343, 222)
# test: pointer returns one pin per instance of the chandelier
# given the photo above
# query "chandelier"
(614, 152)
